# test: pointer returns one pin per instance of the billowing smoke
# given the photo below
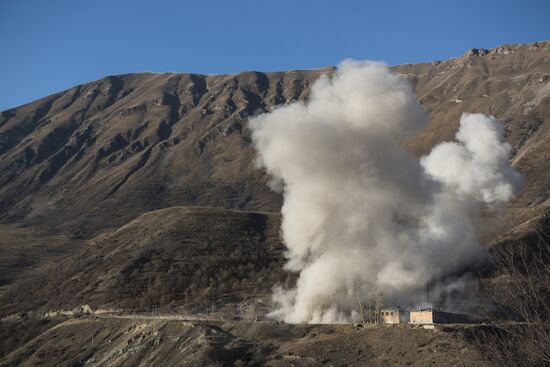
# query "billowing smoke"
(361, 214)
(477, 165)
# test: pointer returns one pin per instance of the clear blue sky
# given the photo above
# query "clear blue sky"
(47, 45)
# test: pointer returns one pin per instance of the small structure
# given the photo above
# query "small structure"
(430, 316)
(394, 316)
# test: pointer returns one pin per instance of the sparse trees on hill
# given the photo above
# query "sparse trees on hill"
(517, 305)
(371, 306)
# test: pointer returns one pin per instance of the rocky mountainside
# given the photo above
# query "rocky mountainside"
(511, 83)
(100, 154)
(137, 194)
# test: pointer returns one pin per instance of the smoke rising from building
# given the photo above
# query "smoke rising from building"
(360, 213)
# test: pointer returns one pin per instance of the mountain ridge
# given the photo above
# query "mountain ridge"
(471, 51)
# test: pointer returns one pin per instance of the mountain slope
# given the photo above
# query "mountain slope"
(125, 145)
(99, 154)
(510, 82)
(184, 258)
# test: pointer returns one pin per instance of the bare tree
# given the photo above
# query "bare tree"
(362, 310)
(370, 306)
(516, 301)
(377, 305)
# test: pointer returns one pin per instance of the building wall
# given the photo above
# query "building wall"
(421, 317)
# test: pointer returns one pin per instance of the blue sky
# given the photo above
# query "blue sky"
(49, 45)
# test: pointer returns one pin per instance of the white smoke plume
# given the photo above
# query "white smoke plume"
(477, 165)
(360, 213)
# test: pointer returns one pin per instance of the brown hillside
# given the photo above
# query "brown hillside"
(184, 259)
(102, 153)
